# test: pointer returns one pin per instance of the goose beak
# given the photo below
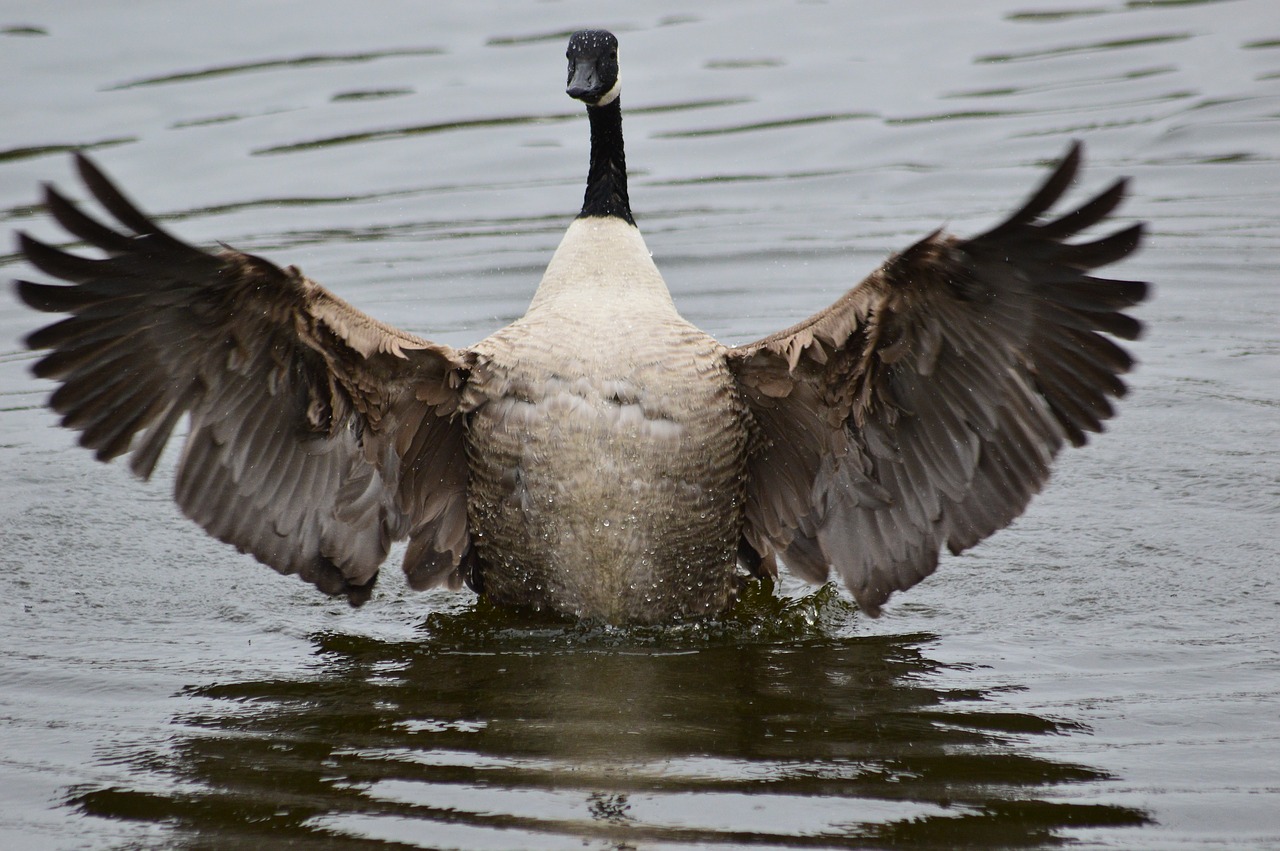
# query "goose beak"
(584, 83)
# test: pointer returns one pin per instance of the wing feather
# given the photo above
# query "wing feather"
(924, 408)
(310, 422)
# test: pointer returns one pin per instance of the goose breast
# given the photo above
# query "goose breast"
(607, 447)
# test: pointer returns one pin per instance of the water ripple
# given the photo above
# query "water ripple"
(559, 732)
(306, 61)
(476, 123)
(1088, 47)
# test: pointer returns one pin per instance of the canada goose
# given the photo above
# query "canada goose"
(600, 456)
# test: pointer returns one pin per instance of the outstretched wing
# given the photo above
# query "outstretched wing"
(317, 434)
(925, 406)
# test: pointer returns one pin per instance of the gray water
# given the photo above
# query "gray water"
(1106, 672)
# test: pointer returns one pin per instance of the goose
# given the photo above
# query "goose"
(599, 457)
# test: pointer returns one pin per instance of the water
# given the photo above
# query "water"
(1106, 672)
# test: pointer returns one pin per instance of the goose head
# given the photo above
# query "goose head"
(593, 67)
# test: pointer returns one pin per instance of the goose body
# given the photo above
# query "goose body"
(600, 456)
(606, 479)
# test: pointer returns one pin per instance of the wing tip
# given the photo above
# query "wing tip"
(1048, 193)
(358, 595)
(330, 579)
(869, 608)
(870, 598)
(35, 296)
(89, 171)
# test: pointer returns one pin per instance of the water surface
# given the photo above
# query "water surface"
(1106, 672)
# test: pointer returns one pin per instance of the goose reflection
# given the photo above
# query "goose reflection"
(538, 735)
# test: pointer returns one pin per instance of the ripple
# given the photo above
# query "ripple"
(306, 61)
(558, 732)
(475, 123)
(741, 64)
(535, 38)
(33, 151)
(1062, 85)
(371, 94)
(1050, 16)
(23, 30)
(1088, 47)
(766, 125)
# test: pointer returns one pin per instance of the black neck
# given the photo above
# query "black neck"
(607, 179)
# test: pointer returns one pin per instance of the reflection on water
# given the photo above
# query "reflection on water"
(778, 727)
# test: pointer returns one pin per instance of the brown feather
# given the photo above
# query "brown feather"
(297, 400)
(958, 366)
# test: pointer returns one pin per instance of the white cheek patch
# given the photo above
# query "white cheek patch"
(611, 95)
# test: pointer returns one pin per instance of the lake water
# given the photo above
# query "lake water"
(1106, 672)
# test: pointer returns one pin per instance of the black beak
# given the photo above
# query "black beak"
(584, 82)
